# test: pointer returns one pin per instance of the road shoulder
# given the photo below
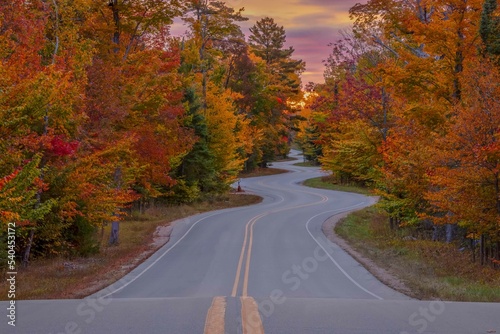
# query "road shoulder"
(381, 274)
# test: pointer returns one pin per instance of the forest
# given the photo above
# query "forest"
(411, 108)
(101, 109)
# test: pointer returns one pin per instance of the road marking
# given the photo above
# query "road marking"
(248, 227)
(251, 321)
(215, 322)
(158, 259)
(248, 239)
(249, 254)
(328, 254)
(240, 262)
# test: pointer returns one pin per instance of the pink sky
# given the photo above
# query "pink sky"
(310, 26)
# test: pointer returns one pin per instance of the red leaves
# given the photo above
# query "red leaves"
(8, 178)
(61, 147)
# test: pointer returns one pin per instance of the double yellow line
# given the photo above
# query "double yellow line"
(251, 320)
(248, 239)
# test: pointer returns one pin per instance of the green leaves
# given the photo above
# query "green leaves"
(490, 28)
(18, 195)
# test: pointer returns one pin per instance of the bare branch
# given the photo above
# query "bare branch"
(419, 52)
(378, 41)
(56, 30)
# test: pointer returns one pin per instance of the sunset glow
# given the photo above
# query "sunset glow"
(310, 26)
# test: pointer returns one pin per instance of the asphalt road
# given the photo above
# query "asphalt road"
(267, 268)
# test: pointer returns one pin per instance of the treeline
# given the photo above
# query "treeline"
(101, 108)
(411, 107)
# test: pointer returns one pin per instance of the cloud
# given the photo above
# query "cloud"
(311, 45)
(310, 26)
(338, 5)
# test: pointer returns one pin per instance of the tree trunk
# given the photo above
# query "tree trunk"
(115, 229)
(482, 250)
(115, 225)
(435, 233)
(450, 228)
(473, 248)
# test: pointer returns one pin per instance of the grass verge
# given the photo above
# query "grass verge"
(306, 164)
(431, 270)
(326, 183)
(63, 278)
(263, 172)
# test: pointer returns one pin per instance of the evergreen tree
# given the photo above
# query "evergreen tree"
(490, 28)
(278, 101)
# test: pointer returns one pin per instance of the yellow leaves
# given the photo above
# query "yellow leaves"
(224, 138)
(353, 151)
(466, 180)
(91, 191)
(248, 135)
(9, 217)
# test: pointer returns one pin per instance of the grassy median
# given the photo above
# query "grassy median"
(328, 183)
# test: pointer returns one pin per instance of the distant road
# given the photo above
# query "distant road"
(266, 268)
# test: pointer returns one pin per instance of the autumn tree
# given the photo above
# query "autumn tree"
(358, 112)
(136, 95)
(42, 100)
(212, 23)
(426, 66)
(98, 110)
(277, 102)
(207, 63)
(466, 179)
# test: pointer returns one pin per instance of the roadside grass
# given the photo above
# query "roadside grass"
(306, 164)
(62, 278)
(432, 270)
(328, 183)
(263, 172)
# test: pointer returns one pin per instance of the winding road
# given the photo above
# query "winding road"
(266, 268)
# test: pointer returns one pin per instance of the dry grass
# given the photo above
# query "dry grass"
(263, 172)
(63, 278)
(432, 270)
(307, 164)
(328, 183)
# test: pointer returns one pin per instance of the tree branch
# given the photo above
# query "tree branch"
(56, 47)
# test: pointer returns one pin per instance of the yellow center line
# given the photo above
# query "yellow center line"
(247, 264)
(215, 322)
(248, 238)
(248, 227)
(240, 262)
(251, 321)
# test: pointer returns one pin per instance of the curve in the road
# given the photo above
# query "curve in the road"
(289, 279)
